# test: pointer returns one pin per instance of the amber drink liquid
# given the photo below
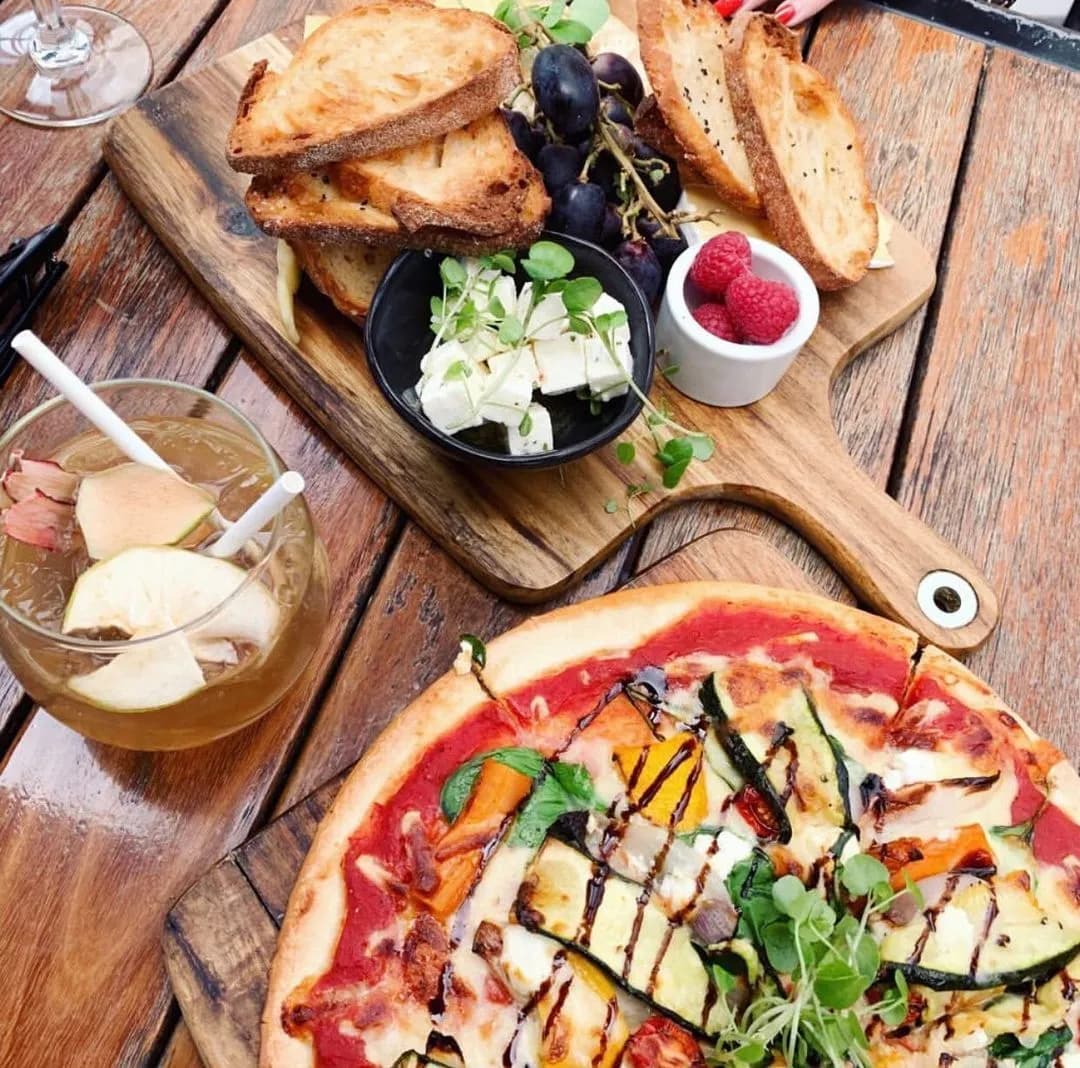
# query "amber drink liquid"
(229, 664)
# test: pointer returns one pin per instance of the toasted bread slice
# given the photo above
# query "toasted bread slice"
(387, 74)
(650, 125)
(347, 274)
(311, 207)
(470, 179)
(683, 46)
(805, 151)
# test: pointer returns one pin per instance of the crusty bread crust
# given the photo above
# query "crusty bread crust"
(826, 221)
(471, 179)
(673, 33)
(347, 274)
(309, 207)
(259, 145)
(650, 126)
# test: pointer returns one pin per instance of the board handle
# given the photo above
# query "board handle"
(890, 558)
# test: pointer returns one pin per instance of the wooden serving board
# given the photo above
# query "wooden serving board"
(219, 937)
(529, 535)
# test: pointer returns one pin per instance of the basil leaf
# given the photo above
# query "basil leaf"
(565, 788)
(1041, 1055)
(459, 785)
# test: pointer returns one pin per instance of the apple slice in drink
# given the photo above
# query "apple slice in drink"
(160, 673)
(133, 504)
(149, 590)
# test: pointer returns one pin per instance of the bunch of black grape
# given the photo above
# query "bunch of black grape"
(606, 184)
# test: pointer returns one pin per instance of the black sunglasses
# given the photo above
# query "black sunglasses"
(28, 271)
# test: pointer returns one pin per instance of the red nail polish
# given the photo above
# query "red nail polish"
(785, 15)
(727, 8)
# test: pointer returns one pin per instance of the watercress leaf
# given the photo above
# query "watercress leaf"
(495, 308)
(459, 785)
(837, 985)
(595, 406)
(914, 891)
(511, 331)
(526, 424)
(625, 451)
(479, 649)
(722, 979)
(609, 321)
(654, 418)
(458, 370)
(862, 873)
(778, 938)
(669, 370)
(611, 506)
(592, 13)
(547, 260)
(675, 450)
(436, 307)
(790, 896)
(504, 261)
(750, 1052)
(567, 31)
(673, 473)
(581, 294)
(703, 446)
(578, 325)
(452, 273)
(553, 12)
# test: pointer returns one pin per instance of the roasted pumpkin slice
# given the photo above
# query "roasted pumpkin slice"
(665, 781)
(616, 924)
(981, 933)
(777, 742)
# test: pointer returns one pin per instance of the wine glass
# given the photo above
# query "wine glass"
(70, 65)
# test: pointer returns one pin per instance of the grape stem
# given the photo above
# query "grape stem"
(644, 194)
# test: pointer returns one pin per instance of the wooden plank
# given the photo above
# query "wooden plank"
(75, 818)
(914, 155)
(45, 172)
(993, 457)
(219, 940)
(530, 535)
(226, 910)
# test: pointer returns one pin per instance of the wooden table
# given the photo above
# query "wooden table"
(969, 415)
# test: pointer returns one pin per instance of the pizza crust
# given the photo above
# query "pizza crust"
(316, 910)
(622, 621)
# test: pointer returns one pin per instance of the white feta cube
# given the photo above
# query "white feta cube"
(505, 292)
(482, 345)
(560, 365)
(537, 436)
(509, 387)
(437, 359)
(604, 370)
(451, 398)
(549, 320)
(606, 304)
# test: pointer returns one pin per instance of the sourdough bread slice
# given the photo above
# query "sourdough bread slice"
(311, 207)
(683, 45)
(347, 274)
(471, 179)
(805, 152)
(387, 74)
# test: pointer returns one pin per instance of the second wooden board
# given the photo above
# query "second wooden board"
(529, 535)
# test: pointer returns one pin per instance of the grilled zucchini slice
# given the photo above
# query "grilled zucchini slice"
(778, 744)
(615, 923)
(984, 934)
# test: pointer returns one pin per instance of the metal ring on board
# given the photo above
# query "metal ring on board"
(947, 599)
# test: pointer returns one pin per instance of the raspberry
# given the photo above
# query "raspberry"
(760, 310)
(720, 259)
(715, 319)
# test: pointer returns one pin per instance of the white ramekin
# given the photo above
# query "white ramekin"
(720, 372)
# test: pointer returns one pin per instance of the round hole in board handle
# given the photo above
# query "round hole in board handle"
(947, 599)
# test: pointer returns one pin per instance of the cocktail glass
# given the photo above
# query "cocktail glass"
(213, 446)
(70, 65)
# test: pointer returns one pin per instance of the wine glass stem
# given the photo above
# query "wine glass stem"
(58, 44)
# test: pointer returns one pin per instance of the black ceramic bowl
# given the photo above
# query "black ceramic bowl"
(397, 335)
